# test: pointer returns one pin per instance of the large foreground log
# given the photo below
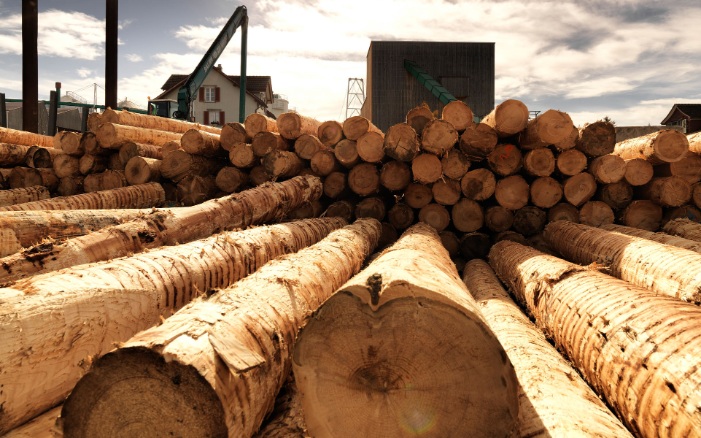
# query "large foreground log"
(545, 377)
(633, 347)
(47, 343)
(231, 353)
(664, 269)
(666, 146)
(254, 206)
(402, 348)
(664, 238)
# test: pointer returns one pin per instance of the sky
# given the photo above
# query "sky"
(629, 60)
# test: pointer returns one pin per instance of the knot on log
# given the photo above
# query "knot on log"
(374, 282)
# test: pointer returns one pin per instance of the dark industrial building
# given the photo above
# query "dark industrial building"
(684, 115)
(466, 70)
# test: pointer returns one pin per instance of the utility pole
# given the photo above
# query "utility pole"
(111, 50)
(30, 66)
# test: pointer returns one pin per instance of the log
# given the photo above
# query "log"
(115, 163)
(684, 212)
(446, 191)
(684, 228)
(287, 419)
(390, 307)
(643, 214)
(258, 175)
(506, 159)
(356, 126)
(418, 195)
(46, 425)
(467, 215)
(663, 269)
(435, 215)
(371, 147)
(255, 123)
(508, 118)
(282, 164)
(596, 214)
(107, 180)
(401, 142)
(373, 207)
(568, 142)
(125, 117)
(112, 136)
(296, 285)
(539, 162)
(195, 189)
(330, 133)
(438, 137)
(266, 142)
(418, 117)
(94, 120)
(543, 374)
(512, 192)
(69, 186)
(550, 127)
(478, 141)
(608, 169)
(89, 143)
(346, 152)
(688, 168)
(545, 192)
(597, 139)
(512, 236)
(291, 125)
(395, 175)
(694, 142)
(140, 170)
(665, 146)
(498, 218)
(455, 164)
(458, 114)
(22, 195)
(579, 188)
(324, 162)
(474, 245)
(241, 155)
(14, 136)
(258, 205)
(65, 165)
(696, 194)
(563, 212)
(450, 242)
(175, 276)
(13, 154)
(307, 145)
(28, 177)
(571, 162)
(232, 134)
(671, 191)
(336, 185)
(426, 168)
(401, 216)
(179, 164)
(617, 195)
(638, 172)
(306, 211)
(131, 149)
(478, 184)
(620, 333)
(230, 179)
(69, 143)
(342, 209)
(38, 157)
(529, 220)
(664, 238)
(92, 164)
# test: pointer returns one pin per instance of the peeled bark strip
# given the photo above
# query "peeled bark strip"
(307, 145)
(478, 141)
(141, 196)
(688, 168)
(418, 117)
(401, 142)
(550, 127)
(107, 180)
(140, 170)
(64, 344)
(545, 192)
(179, 164)
(467, 216)
(354, 127)
(283, 164)
(684, 228)
(395, 176)
(418, 195)
(642, 214)
(153, 122)
(665, 146)
(639, 171)
(455, 164)
(28, 177)
(23, 195)
(256, 123)
(579, 188)
(664, 269)
(112, 136)
(391, 307)
(617, 195)
(373, 207)
(233, 133)
(371, 147)
(248, 345)
(131, 149)
(505, 160)
(596, 214)
(230, 179)
(241, 155)
(597, 139)
(478, 184)
(291, 125)
(426, 168)
(69, 142)
(508, 118)
(323, 163)
(346, 153)
(458, 114)
(608, 169)
(631, 346)
(512, 192)
(672, 191)
(14, 136)
(571, 162)
(435, 215)
(543, 374)
(92, 164)
(664, 238)
(563, 212)
(266, 142)
(330, 133)
(498, 218)
(438, 137)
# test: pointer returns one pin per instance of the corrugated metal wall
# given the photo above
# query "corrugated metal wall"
(392, 91)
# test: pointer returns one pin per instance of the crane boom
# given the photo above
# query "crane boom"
(187, 92)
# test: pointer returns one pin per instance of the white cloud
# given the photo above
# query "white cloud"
(133, 57)
(84, 72)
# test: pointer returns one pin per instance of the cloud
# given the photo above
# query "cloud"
(84, 72)
(134, 57)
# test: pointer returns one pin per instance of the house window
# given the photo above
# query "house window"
(210, 94)
(214, 117)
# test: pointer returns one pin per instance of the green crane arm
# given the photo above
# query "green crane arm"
(427, 81)
(188, 91)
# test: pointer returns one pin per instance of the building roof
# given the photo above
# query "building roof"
(254, 84)
(690, 110)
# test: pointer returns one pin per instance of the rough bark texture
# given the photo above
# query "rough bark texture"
(23, 195)
(12, 154)
(664, 238)
(684, 228)
(633, 347)
(358, 383)
(237, 368)
(25, 138)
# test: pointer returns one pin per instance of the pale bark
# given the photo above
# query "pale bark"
(112, 135)
(666, 146)
(153, 122)
(14, 136)
(23, 195)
